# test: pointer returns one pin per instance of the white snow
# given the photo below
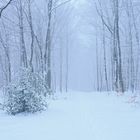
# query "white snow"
(77, 116)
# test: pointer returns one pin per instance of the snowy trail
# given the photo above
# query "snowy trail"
(82, 116)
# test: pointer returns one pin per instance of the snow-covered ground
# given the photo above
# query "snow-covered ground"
(78, 116)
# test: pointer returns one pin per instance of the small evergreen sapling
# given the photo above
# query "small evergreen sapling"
(27, 95)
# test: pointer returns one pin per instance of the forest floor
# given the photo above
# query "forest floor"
(76, 116)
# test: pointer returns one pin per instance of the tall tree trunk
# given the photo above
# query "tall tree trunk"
(47, 55)
(67, 62)
(61, 69)
(105, 62)
(23, 54)
(119, 77)
(7, 59)
(32, 34)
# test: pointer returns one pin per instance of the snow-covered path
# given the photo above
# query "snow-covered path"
(80, 116)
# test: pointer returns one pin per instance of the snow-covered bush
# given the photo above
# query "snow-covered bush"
(27, 95)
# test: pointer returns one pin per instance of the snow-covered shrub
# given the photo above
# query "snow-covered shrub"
(27, 95)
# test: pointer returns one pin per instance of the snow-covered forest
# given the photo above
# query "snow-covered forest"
(69, 69)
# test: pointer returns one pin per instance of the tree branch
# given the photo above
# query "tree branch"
(100, 13)
(4, 7)
(59, 5)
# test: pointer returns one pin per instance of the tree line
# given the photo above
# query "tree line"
(118, 36)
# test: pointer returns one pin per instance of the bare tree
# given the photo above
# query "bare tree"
(114, 30)
(47, 55)
(5, 46)
(23, 53)
(29, 18)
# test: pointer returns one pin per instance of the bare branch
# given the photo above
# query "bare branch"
(61, 4)
(100, 13)
(4, 7)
